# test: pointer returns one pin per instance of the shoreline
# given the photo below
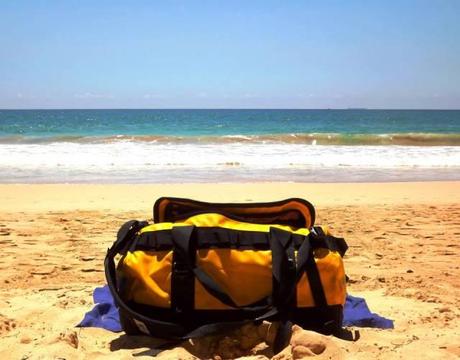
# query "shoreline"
(409, 139)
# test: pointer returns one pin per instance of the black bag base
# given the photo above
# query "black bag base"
(198, 323)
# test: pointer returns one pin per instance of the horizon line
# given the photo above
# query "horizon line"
(236, 108)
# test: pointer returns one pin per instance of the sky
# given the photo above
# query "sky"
(230, 54)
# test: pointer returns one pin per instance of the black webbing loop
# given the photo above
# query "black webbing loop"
(340, 243)
(126, 233)
(317, 235)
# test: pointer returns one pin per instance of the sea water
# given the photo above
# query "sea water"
(158, 146)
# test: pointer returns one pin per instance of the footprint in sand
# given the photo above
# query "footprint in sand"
(43, 270)
(6, 324)
(88, 270)
(68, 336)
(87, 258)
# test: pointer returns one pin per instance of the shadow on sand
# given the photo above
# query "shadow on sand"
(246, 341)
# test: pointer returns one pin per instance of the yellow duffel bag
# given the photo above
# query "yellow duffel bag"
(202, 268)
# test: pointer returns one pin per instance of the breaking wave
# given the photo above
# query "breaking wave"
(401, 139)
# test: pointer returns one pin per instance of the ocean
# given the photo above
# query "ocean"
(181, 146)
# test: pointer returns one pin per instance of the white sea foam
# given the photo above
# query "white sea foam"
(79, 161)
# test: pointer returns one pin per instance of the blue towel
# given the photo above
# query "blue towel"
(357, 313)
(105, 313)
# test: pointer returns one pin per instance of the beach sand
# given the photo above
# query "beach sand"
(403, 258)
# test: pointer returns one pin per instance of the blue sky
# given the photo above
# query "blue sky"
(230, 54)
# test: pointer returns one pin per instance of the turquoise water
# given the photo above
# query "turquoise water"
(215, 123)
(152, 146)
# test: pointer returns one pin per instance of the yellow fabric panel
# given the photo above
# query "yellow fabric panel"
(218, 220)
(332, 275)
(304, 296)
(159, 227)
(148, 276)
(245, 275)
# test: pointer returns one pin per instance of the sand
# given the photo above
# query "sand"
(403, 258)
